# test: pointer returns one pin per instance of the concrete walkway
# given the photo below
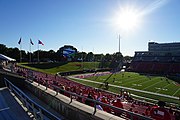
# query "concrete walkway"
(44, 105)
(10, 108)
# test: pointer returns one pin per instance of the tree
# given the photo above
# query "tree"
(53, 55)
(127, 59)
(13, 53)
(107, 57)
(3, 49)
(98, 57)
(117, 57)
(90, 57)
(78, 56)
(84, 54)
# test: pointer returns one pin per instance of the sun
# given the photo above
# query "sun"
(126, 19)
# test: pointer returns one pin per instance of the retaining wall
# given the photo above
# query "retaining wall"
(71, 110)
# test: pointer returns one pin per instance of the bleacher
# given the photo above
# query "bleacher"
(96, 94)
(160, 59)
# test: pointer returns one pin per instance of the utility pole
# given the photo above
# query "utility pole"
(119, 43)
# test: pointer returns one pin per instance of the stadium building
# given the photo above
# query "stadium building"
(161, 58)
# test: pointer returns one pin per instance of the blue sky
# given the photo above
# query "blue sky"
(88, 25)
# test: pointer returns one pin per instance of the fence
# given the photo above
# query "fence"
(39, 113)
(124, 112)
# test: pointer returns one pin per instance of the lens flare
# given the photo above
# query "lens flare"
(129, 17)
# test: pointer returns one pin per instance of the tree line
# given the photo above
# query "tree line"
(52, 56)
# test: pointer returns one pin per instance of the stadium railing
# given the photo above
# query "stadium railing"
(39, 113)
(123, 111)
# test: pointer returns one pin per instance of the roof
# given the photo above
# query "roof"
(6, 58)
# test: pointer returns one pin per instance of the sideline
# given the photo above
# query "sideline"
(147, 92)
(176, 91)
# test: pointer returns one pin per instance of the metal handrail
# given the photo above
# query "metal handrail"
(57, 89)
(37, 110)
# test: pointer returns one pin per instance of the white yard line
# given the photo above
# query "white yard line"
(162, 88)
(148, 81)
(147, 92)
(176, 92)
(151, 85)
(133, 81)
(144, 82)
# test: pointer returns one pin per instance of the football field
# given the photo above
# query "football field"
(152, 87)
(146, 87)
(155, 84)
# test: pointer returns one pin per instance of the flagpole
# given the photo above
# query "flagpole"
(30, 52)
(20, 45)
(119, 43)
(20, 53)
(94, 59)
(38, 52)
(82, 59)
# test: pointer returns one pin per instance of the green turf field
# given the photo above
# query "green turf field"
(53, 68)
(153, 84)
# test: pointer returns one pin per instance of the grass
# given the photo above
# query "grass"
(53, 68)
(155, 84)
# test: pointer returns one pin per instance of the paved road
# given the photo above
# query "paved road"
(152, 93)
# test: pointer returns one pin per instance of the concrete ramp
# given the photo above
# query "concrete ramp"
(9, 107)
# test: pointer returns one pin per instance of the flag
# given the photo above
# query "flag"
(19, 41)
(39, 42)
(31, 42)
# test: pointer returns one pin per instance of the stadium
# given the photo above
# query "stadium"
(90, 60)
(149, 83)
(160, 59)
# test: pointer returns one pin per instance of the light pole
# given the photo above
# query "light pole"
(119, 43)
